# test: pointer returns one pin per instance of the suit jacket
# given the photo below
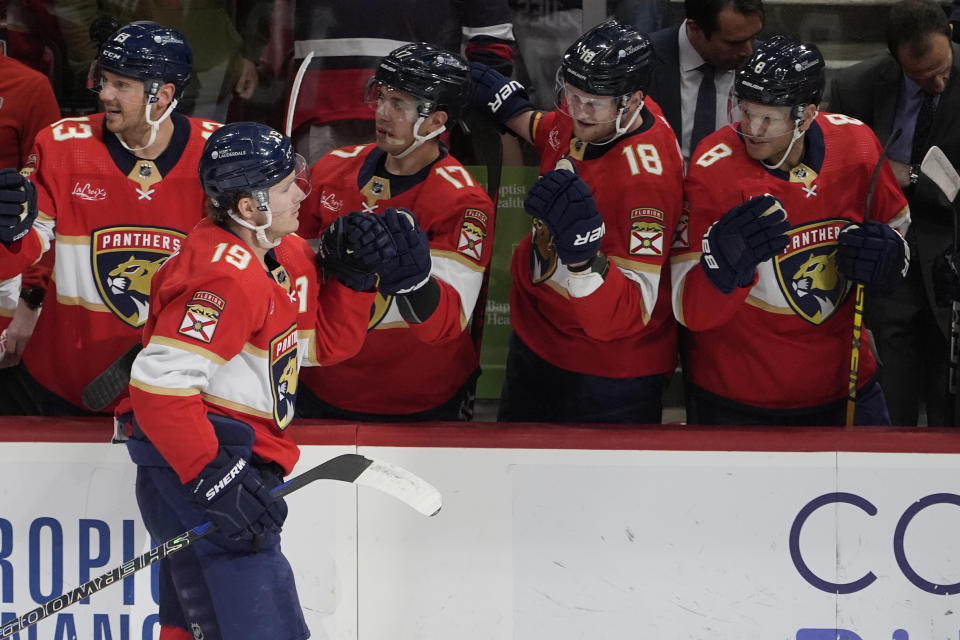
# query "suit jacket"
(665, 86)
(868, 91)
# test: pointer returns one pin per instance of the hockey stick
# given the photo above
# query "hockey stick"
(349, 467)
(112, 381)
(940, 170)
(858, 300)
(295, 92)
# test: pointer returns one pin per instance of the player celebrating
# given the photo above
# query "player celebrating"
(419, 362)
(231, 317)
(778, 199)
(594, 339)
(118, 192)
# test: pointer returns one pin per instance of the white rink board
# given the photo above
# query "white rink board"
(572, 544)
(533, 544)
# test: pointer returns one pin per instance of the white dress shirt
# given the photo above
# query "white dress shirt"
(690, 75)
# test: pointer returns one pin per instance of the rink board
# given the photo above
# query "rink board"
(546, 533)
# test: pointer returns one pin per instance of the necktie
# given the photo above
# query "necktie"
(922, 129)
(705, 117)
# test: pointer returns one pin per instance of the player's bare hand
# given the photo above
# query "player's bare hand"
(18, 334)
(902, 173)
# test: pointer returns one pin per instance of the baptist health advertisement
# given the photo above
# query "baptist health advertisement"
(535, 544)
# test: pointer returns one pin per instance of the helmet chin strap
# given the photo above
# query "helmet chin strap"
(797, 134)
(261, 229)
(154, 124)
(620, 130)
(418, 139)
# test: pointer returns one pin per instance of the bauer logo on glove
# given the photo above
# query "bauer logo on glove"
(565, 204)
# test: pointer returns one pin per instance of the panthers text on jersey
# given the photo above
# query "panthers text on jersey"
(406, 368)
(625, 328)
(226, 335)
(115, 219)
(785, 341)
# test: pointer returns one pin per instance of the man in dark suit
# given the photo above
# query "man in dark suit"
(915, 89)
(709, 45)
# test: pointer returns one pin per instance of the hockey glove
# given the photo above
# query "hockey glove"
(411, 268)
(235, 499)
(564, 203)
(946, 279)
(497, 95)
(18, 205)
(354, 248)
(872, 254)
(746, 235)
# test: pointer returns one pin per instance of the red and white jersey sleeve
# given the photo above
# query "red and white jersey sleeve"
(224, 335)
(624, 328)
(422, 364)
(9, 299)
(784, 341)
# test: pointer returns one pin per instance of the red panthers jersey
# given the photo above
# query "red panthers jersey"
(228, 336)
(785, 341)
(115, 219)
(624, 328)
(406, 368)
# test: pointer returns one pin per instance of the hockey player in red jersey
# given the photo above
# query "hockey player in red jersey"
(777, 238)
(594, 338)
(118, 192)
(18, 210)
(233, 315)
(419, 362)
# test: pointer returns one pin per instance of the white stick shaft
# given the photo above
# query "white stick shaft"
(295, 92)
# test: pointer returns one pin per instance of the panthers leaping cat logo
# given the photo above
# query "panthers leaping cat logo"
(287, 389)
(131, 280)
(817, 277)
